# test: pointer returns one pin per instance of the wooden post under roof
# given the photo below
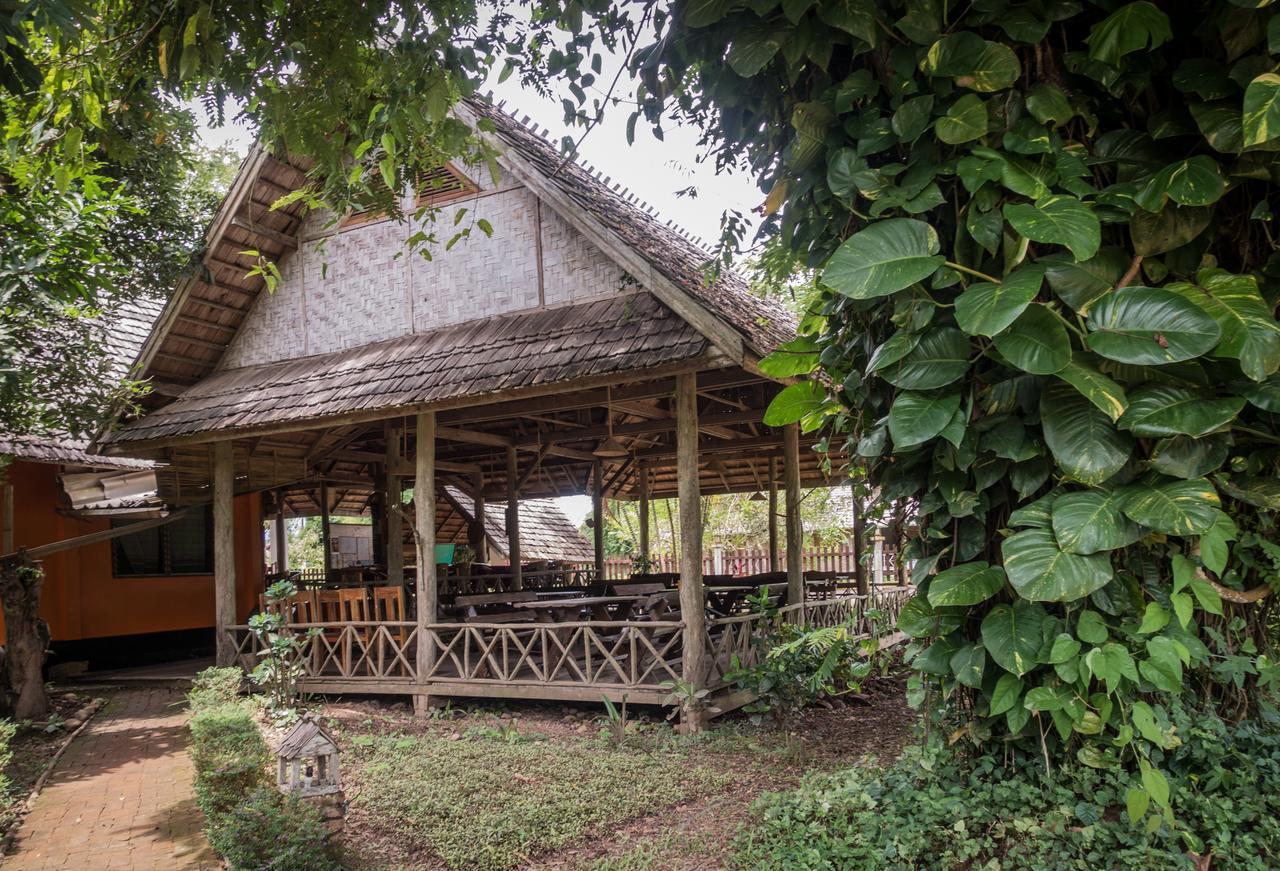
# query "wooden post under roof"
(324, 528)
(478, 538)
(597, 517)
(692, 604)
(391, 505)
(224, 550)
(859, 527)
(773, 514)
(513, 517)
(278, 534)
(424, 502)
(795, 528)
(644, 513)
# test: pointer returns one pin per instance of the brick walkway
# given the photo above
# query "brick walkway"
(120, 796)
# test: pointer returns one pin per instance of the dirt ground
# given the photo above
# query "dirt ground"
(747, 759)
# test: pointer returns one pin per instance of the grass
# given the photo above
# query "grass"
(655, 852)
(494, 798)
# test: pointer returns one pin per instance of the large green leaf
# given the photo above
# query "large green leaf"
(1196, 181)
(966, 120)
(1080, 284)
(968, 664)
(1042, 572)
(996, 69)
(967, 584)
(1083, 440)
(1184, 457)
(1013, 634)
(1058, 220)
(1261, 117)
(1165, 410)
(1253, 490)
(985, 309)
(897, 346)
(1249, 330)
(797, 357)
(884, 258)
(795, 402)
(1108, 396)
(919, 619)
(1170, 228)
(917, 417)
(1037, 342)
(1132, 27)
(1091, 522)
(940, 357)
(1148, 326)
(1173, 507)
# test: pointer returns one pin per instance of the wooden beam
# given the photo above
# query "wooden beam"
(513, 517)
(216, 306)
(395, 530)
(533, 466)
(44, 550)
(276, 236)
(773, 514)
(428, 590)
(692, 602)
(224, 550)
(455, 434)
(795, 527)
(478, 536)
(597, 517)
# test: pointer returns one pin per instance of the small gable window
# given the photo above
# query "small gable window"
(183, 547)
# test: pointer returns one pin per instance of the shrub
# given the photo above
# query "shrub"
(215, 686)
(7, 731)
(230, 757)
(267, 830)
(936, 808)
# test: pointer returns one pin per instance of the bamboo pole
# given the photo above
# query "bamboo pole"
(224, 550)
(424, 502)
(692, 604)
(513, 517)
(795, 528)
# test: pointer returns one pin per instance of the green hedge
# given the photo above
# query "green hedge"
(935, 808)
(247, 820)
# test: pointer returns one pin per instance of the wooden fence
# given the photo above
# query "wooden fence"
(751, 561)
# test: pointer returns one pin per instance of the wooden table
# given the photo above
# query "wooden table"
(724, 600)
(568, 610)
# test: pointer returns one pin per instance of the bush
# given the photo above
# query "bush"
(247, 820)
(7, 731)
(935, 808)
(269, 831)
(215, 686)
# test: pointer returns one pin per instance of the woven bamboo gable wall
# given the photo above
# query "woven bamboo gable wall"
(349, 286)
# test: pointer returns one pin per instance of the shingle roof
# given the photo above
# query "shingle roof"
(763, 323)
(125, 328)
(546, 532)
(472, 359)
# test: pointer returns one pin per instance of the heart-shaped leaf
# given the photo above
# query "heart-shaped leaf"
(968, 584)
(917, 417)
(1058, 220)
(1163, 410)
(985, 309)
(1261, 117)
(967, 665)
(1037, 342)
(1042, 572)
(794, 402)
(1106, 395)
(884, 258)
(1250, 333)
(1132, 27)
(1090, 522)
(1012, 635)
(966, 120)
(1080, 284)
(1196, 181)
(1185, 457)
(1149, 326)
(1173, 507)
(1083, 440)
(939, 358)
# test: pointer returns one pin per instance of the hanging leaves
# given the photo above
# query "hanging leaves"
(886, 257)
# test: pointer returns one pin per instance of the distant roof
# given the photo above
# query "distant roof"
(546, 533)
(125, 327)
(471, 359)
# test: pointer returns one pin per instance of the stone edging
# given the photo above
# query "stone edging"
(87, 712)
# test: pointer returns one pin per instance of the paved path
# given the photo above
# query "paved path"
(120, 797)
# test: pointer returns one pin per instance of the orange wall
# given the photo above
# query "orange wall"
(81, 599)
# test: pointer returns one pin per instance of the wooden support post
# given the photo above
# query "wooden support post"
(478, 538)
(279, 535)
(424, 501)
(324, 528)
(773, 514)
(644, 512)
(224, 550)
(859, 524)
(391, 505)
(513, 517)
(692, 603)
(795, 528)
(597, 517)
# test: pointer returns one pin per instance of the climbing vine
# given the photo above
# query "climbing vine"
(1045, 245)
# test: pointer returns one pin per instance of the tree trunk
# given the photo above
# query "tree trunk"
(22, 693)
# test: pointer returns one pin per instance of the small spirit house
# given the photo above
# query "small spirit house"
(307, 761)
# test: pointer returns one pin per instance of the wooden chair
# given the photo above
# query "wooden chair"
(327, 609)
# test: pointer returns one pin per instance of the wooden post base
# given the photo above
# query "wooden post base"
(692, 721)
(422, 706)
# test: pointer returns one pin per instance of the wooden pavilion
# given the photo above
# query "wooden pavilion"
(578, 349)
